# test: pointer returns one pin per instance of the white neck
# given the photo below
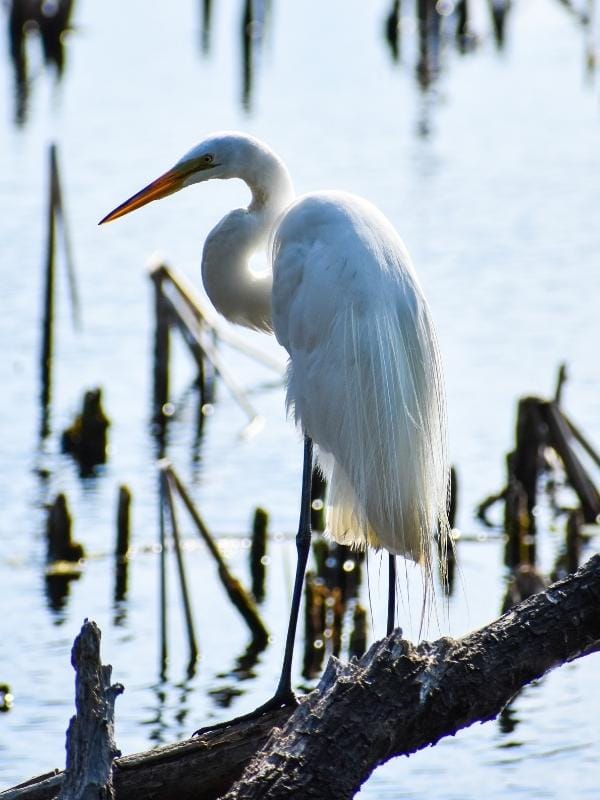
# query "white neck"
(243, 297)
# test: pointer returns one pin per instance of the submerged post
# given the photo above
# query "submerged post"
(161, 343)
(122, 545)
(48, 314)
(258, 551)
(61, 546)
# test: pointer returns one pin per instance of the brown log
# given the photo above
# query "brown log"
(196, 768)
(397, 699)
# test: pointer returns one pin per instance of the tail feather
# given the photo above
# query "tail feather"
(387, 466)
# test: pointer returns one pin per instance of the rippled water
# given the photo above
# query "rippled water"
(491, 173)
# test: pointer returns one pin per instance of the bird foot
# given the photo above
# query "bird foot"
(278, 701)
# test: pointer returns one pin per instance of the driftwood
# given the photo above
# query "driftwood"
(90, 737)
(397, 699)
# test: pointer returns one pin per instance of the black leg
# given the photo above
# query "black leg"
(284, 689)
(284, 695)
(391, 594)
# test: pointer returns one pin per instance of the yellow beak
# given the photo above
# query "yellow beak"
(170, 182)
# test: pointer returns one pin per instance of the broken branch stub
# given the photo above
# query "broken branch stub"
(90, 737)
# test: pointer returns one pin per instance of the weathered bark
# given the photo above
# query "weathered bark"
(397, 699)
(90, 737)
(203, 768)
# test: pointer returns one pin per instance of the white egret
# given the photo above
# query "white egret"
(364, 378)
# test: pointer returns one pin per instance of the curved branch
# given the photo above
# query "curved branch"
(399, 698)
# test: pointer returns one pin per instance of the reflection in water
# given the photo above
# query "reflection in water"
(392, 29)
(47, 18)
(243, 670)
(159, 728)
(499, 10)
(206, 25)
(428, 26)
(167, 708)
(432, 20)
(508, 719)
(57, 586)
(253, 23)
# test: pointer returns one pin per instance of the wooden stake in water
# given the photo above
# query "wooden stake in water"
(258, 552)
(48, 315)
(161, 344)
(55, 211)
(235, 591)
(164, 653)
(167, 483)
(122, 545)
(61, 547)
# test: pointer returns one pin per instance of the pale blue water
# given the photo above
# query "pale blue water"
(499, 207)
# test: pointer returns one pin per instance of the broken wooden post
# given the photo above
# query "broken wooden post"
(167, 497)
(520, 544)
(573, 539)
(559, 435)
(531, 437)
(90, 738)
(61, 546)
(560, 382)
(235, 591)
(583, 441)
(523, 467)
(122, 545)
(86, 438)
(258, 553)
(161, 343)
(48, 315)
(164, 647)
(123, 521)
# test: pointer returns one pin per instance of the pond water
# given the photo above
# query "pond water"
(488, 165)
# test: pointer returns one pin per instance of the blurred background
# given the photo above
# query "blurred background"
(474, 126)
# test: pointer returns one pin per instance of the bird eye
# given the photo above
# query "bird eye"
(207, 159)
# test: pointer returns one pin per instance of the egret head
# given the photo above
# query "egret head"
(220, 155)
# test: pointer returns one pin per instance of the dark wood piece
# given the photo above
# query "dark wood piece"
(161, 343)
(90, 737)
(86, 438)
(61, 546)
(397, 699)
(258, 552)
(559, 437)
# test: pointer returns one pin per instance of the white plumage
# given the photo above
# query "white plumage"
(365, 377)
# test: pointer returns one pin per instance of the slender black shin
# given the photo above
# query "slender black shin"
(284, 695)
(391, 613)
(284, 689)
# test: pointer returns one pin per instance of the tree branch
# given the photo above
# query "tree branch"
(397, 699)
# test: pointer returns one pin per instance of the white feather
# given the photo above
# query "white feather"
(365, 377)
